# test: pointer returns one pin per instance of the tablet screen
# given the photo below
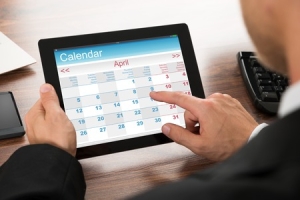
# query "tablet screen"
(105, 88)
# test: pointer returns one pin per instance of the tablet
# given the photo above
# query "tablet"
(103, 81)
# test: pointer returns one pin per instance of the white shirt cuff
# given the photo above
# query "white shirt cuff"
(257, 130)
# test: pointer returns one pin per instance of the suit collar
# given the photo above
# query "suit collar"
(290, 100)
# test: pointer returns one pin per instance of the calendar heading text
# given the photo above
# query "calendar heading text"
(80, 56)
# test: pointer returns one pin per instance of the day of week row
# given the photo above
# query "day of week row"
(88, 79)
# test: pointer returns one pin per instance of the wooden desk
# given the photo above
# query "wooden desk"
(218, 34)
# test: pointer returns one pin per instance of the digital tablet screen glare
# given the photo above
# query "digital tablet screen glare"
(105, 88)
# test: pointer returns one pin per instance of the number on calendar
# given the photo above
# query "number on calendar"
(135, 101)
(116, 93)
(185, 83)
(152, 88)
(119, 115)
(187, 92)
(78, 99)
(155, 109)
(175, 117)
(167, 76)
(134, 91)
(168, 86)
(183, 74)
(121, 126)
(172, 106)
(139, 123)
(102, 129)
(81, 121)
(137, 112)
(149, 79)
(98, 107)
(82, 133)
(97, 96)
(117, 104)
(100, 118)
(157, 120)
(79, 110)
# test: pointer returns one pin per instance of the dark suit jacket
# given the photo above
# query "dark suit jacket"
(41, 172)
(266, 168)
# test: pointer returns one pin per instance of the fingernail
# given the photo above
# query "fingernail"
(45, 88)
(166, 129)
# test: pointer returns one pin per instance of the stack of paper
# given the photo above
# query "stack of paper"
(12, 56)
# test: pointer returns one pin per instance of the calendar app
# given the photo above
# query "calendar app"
(106, 88)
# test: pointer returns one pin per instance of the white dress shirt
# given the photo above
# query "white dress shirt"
(290, 102)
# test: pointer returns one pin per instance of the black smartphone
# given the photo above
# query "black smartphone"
(10, 121)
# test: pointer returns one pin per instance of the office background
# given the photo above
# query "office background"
(217, 32)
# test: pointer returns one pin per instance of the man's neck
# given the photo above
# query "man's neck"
(292, 48)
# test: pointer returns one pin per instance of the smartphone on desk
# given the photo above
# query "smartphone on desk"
(10, 121)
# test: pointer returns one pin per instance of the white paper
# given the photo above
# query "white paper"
(12, 56)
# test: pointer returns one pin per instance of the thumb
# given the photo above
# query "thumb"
(181, 136)
(49, 98)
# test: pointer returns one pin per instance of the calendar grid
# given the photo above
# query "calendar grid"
(109, 100)
(116, 103)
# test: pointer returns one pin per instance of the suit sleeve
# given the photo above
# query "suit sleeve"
(41, 172)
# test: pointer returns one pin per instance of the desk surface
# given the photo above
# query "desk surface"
(217, 32)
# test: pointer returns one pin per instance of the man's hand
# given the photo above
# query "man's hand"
(225, 125)
(46, 122)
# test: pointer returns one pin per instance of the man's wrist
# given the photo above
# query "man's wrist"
(257, 130)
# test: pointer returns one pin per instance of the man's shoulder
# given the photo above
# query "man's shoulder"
(277, 145)
(281, 132)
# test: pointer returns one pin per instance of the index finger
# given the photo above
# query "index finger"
(183, 100)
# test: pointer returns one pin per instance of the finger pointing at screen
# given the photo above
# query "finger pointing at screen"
(219, 135)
